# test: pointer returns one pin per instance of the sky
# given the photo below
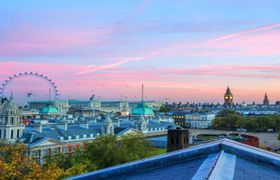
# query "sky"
(181, 50)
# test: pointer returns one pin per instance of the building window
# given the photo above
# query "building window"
(44, 152)
(177, 140)
(5, 134)
(18, 133)
(65, 149)
(12, 134)
(35, 153)
(0, 133)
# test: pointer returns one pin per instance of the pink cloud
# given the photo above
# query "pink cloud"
(184, 81)
(81, 80)
(242, 33)
(261, 41)
(32, 40)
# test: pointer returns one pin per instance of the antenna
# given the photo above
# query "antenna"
(49, 94)
(142, 99)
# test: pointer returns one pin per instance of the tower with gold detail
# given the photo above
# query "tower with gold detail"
(228, 97)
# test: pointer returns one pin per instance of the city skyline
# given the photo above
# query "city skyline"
(182, 51)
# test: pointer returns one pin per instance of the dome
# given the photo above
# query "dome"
(142, 110)
(49, 110)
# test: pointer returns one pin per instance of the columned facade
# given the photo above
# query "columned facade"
(11, 127)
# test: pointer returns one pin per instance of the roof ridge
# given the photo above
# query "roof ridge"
(214, 165)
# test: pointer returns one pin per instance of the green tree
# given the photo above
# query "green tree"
(108, 150)
(14, 164)
(265, 122)
(164, 109)
(104, 151)
(76, 162)
(226, 112)
(217, 122)
(230, 121)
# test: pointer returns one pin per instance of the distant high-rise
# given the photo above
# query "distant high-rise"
(228, 97)
(265, 101)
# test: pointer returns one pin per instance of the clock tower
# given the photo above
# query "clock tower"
(228, 97)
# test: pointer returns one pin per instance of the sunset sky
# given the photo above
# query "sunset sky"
(182, 50)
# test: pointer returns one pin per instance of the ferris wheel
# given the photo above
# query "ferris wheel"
(26, 74)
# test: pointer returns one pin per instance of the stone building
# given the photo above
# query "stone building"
(11, 127)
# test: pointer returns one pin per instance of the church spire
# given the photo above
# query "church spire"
(228, 90)
(266, 100)
(12, 96)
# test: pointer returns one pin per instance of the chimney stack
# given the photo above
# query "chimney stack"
(40, 128)
(65, 126)
(87, 124)
(178, 138)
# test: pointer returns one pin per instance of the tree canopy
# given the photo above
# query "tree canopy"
(14, 164)
(105, 151)
(231, 120)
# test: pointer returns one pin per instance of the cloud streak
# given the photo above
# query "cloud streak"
(253, 42)
(91, 68)
(161, 82)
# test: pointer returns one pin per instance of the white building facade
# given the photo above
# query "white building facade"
(199, 120)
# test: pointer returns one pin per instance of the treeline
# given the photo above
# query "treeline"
(103, 152)
(231, 120)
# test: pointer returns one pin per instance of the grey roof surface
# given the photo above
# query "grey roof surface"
(118, 130)
(33, 137)
(183, 170)
(218, 160)
(157, 124)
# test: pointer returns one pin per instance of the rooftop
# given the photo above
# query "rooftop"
(49, 110)
(142, 110)
(222, 159)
